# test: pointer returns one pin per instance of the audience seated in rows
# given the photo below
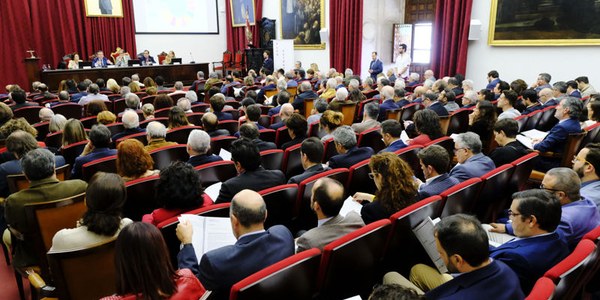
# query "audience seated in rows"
(390, 132)
(255, 249)
(156, 132)
(131, 123)
(435, 162)
(177, 118)
(509, 150)
(102, 222)
(320, 106)
(345, 144)
(178, 190)
(471, 162)
(209, 124)
(506, 102)
(311, 153)
(286, 111)
(96, 148)
(587, 165)
(430, 100)
(133, 161)
(73, 132)
(530, 99)
(396, 188)
(305, 91)
(93, 94)
(252, 175)
(369, 118)
(326, 201)
(463, 246)
(283, 97)
(427, 127)
(250, 132)
(39, 168)
(482, 121)
(198, 147)
(387, 102)
(297, 127)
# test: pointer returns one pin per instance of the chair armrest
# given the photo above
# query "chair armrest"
(551, 154)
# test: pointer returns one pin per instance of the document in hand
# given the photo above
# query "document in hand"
(213, 190)
(425, 234)
(350, 205)
(209, 233)
(496, 239)
(526, 137)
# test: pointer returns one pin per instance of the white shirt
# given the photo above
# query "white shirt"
(403, 60)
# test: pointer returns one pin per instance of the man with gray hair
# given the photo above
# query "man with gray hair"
(579, 215)
(289, 78)
(305, 92)
(413, 79)
(45, 114)
(320, 106)
(136, 78)
(124, 91)
(198, 84)
(185, 105)
(96, 148)
(178, 89)
(156, 132)
(132, 102)
(369, 120)
(469, 99)
(546, 96)
(93, 94)
(353, 84)
(388, 103)
(345, 144)
(198, 146)
(131, 122)
(471, 162)
(542, 82)
(39, 168)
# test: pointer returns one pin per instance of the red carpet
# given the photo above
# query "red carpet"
(8, 285)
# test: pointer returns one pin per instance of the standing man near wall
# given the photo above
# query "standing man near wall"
(375, 67)
(403, 62)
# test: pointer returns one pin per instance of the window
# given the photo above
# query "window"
(422, 43)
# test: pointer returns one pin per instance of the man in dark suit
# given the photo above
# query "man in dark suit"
(146, 59)
(505, 133)
(388, 103)
(131, 123)
(269, 86)
(463, 246)
(286, 111)
(82, 88)
(39, 168)
(391, 131)
(217, 102)
(210, 122)
(345, 144)
(306, 92)
(327, 201)
(546, 96)
(430, 100)
(96, 148)
(250, 132)
(252, 175)
(100, 61)
(434, 163)
(255, 249)
(198, 144)
(530, 99)
(20, 99)
(535, 215)
(493, 79)
(375, 67)
(471, 162)
(268, 62)
(311, 153)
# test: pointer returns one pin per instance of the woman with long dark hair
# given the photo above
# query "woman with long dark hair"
(482, 121)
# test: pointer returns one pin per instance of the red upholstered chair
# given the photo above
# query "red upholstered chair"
(223, 64)
(408, 111)
(106, 164)
(231, 125)
(195, 118)
(167, 227)
(162, 113)
(494, 195)
(113, 97)
(292, 164)
(267, 135)
(459, 121)
(88, 122)
(349, 264)
(547, 120)
(292, 278)
(42, 129)
(163, 120)
(271, 159)
(54, 139)
(69, 110)
(264, 121)
(200, 107)
(404, 249)
(522, 120)
(283, 136)
(275, 118)
(568, 274)
(71, 152)
(361, 106)
(221, 142)
(30, 113)
(141, 198)
(218, 171)
(306, 217)
(138, 136)
(115, 128)
(165, 155)
(358, 179)
(280, 201)
(592, 280)
(409, 155)
(523, 168)
(592, 135)
(235, 113)
(118, 106)
(446, 142)
(148, 99)
(371, 138)
(177, 96)
(314, 129)
(461, 197)
(542, 290)
(330, 150)
(180, 134)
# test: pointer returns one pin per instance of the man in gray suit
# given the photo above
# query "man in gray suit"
(370, 114)
(326, 201)
(471, 162)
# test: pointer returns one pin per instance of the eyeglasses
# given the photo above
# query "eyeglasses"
(372, 175)
(575, 159)
(547, 188)
(456, 149)
(512, 214)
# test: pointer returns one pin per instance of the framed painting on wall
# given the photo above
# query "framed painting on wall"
(544, 23)
(103, 8)
(302, 22)
(240, 10)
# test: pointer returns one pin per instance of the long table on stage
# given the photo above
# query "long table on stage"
(171, 73)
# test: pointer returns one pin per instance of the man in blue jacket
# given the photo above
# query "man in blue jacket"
(376, 66)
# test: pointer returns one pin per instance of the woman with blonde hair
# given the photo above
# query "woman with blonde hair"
(73, 132)
(330, 121)
(106, 117)
(396, 188)
(113, 86)
(134, 87)
(133, 161)
(148, 82)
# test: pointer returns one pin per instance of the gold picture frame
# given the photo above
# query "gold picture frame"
(302, 22)
(523, 23)
(104, 8)
(239, 9)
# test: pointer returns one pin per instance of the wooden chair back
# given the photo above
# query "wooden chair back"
(19, 182)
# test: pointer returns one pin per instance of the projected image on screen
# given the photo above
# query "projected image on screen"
(176, 16)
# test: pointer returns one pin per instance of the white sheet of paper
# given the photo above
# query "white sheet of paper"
(453, 136)
(350, 205)
(404, 137)
(224, 154)
(526, 141)
(424, 233)
(213, 190)
(209, 233)
(535, 134)
(496, 239)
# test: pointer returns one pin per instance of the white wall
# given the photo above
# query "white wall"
(272, 10)
(203, 48)
(563, 63)
(378, 17)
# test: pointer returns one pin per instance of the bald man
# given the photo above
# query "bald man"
(255, 249)
(286, 111)
(326, 201)
(546, 96)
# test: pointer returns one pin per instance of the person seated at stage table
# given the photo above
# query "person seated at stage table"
(100, 61)
(178, 190)
(74, 63)
(146, 59)
(122, 59)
